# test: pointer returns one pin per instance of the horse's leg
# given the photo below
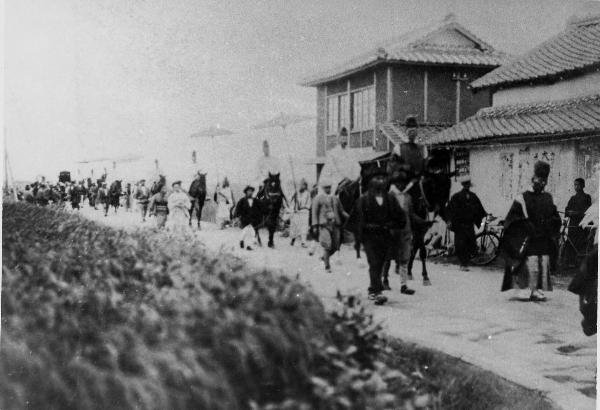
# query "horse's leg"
(271, 229)
(423, 256)
(413, 254)
(199, 210)
(357, 247)
(258, 240)
(192, 212)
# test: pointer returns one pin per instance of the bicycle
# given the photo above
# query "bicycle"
(566, 243)
(487, 242)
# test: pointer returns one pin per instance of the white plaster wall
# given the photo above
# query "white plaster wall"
(583, 85)
(496, 194)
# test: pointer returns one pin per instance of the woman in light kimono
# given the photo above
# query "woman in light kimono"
(179, 204)
(225, 202)
(299, 221)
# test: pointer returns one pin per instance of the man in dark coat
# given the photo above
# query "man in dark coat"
(531, 227)
(377, 220)
(411, 153)
(576, 207)
(75, 194)
(464, 212)
(249, 210)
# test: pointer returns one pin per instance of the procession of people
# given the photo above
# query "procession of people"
(383, 219)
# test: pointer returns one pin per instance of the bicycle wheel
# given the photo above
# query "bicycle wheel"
(486, 248)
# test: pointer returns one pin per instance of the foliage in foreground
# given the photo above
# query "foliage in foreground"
(94, 317)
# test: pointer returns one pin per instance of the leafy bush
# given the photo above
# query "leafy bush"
(94, 317)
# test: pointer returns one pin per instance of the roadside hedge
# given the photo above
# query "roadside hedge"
(95, 318)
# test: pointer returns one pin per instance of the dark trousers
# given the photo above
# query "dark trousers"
(464, 243)
(377, 250)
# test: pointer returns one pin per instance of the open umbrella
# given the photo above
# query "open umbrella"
(211, 133)
(284, 120)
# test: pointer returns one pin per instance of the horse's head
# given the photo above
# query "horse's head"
(348, 192)
(273, 183)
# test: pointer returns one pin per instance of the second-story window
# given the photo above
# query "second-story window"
(333, 114)
(363, 109)
(338, 113)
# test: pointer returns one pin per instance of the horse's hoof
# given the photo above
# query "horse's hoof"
(410, 276)
(426, 282)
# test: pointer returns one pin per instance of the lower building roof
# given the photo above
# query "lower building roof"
(546, 119)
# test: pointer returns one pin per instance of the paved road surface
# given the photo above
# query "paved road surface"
(537, 345)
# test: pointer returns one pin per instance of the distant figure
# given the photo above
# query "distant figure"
(159, 207)
(142, 196)
(575, 210)
(197, 193)
(179, 204)
(266, 165)
(301, 202)
(327, 217)
(128, 197)
(224, 199)
(92, 195)
(464, 212)
(28, 195)
(249, 211)
(75, 193)
(42, 196)
(103, 197)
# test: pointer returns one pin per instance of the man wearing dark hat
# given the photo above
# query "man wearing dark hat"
(249, 211)
(575, 210)
(377, 220)
(142, 196)
(531, 226)
(410, 153)
(464, 212)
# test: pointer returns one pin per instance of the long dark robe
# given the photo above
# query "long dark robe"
(528, 236)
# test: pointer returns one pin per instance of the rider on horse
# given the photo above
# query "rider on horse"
(411, 153)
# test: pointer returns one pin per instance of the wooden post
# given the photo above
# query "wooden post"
(390, 101)
(425, 95)
(458, 101)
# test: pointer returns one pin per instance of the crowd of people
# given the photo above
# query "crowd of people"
(382, 219)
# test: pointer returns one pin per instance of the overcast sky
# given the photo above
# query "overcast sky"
(92, 78)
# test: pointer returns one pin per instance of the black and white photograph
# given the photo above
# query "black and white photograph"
(300, 204)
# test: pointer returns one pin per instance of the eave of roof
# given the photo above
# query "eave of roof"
(574, 51)
(414, 48)
(551, 119)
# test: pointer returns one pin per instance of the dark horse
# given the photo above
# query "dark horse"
(271, 198)
(430, 193)
(158, 185)
(114, 195)
(197, 192)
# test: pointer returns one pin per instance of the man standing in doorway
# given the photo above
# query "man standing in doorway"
(464, 212)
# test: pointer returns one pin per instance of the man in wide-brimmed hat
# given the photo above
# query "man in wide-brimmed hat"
(248, 210)
(377, 220)
(465, 211)
(327, 218)
(531, 227)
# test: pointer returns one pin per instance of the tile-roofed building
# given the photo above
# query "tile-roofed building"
(543, 120)
(572, 52)
(553, 115)
(424, 74)
(446, 42)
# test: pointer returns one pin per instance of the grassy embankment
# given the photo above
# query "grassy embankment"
(94, 317)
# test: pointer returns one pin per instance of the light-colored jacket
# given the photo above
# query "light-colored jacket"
(325, 206)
